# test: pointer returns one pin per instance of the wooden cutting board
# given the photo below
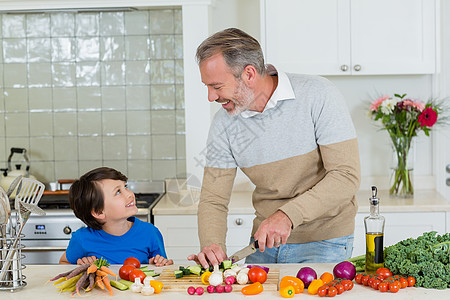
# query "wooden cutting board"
(182, 284)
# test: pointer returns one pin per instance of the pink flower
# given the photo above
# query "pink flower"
(375, 104)
(427, 118)
(419, 105)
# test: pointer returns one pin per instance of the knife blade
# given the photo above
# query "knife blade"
(244, 252)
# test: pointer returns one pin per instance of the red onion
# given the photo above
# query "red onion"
(344, 270)
(306, 274)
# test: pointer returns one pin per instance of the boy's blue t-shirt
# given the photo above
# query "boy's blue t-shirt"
(143, 241)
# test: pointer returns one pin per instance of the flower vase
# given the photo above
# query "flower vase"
(401, 182)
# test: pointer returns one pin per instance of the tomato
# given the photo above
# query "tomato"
(375, 284)
(411, 281)
(340, 288)
(350, 285)
(137, 273)
(332, 291)
(256, 274)
(403, 283)
(365, 279)
(385, 272)
(322, 291)
(383, 287)
(132, 261)
(358, 278)
(124, 271)
(394, 287)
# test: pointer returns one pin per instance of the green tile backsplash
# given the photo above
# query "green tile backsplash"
(82, 90)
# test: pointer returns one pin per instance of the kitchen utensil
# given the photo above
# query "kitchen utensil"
(5, 212)
(31, 192)
(13, 185)
(244, 252)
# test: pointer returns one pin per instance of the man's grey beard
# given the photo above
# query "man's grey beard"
(243, 97)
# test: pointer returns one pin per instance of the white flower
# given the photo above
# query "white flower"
(388, 106)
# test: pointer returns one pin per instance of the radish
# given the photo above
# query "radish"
(211, 289)
(191, 290)
(220, 289)
(199, 290)
(228, 288)
(230, 280)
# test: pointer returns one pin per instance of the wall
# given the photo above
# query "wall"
(81, 90)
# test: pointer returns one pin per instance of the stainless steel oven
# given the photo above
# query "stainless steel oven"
(46, 237)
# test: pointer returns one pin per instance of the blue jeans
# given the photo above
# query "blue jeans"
(327, 251)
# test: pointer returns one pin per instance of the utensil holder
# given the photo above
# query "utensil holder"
(14, 279)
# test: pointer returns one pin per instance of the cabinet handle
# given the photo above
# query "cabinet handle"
(344, 68)
(239, 221)
(357, 68)
(447, 181)
(447, 168)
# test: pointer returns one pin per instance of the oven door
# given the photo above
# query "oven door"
(40, 252)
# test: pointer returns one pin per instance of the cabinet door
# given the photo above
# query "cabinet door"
(393, 37)
(400, 226)
(307, 36)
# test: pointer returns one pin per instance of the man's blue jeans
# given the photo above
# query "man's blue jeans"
(327, 251)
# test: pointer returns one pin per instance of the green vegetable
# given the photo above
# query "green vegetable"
(226, 264)
(178, 274)
(151, 273)
(186, 272)
(195, 269)
(118, 285)
(426, 258)
(125, 282)
(359, 262)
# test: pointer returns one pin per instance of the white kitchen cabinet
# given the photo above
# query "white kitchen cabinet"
(350, 37)
(180, 234)
(400, 226)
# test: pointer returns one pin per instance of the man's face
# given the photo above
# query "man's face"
(223, 87)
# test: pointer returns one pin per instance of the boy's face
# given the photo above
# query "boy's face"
(119, 201)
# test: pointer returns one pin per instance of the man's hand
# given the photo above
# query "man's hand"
(273, 231)
(212, 254)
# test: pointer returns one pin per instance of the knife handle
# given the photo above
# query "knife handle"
(256, 245)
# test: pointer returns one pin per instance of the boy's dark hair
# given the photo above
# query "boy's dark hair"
(86, 196)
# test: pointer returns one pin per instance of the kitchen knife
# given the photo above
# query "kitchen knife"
(244, 252)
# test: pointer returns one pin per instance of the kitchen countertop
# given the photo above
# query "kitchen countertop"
(38, 287)
(186, 203)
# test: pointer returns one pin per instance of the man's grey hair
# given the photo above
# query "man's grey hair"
(238, 48)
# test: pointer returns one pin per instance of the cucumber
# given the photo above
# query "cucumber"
(186, 272)
(227, 264)
(195, 269)
(151, 273)
(143, 268)
(178, 274)
(181, 268)
(118, 285)
(125, 282)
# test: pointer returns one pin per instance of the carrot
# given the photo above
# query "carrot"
(69, 282)
(108, 271)
(91, 282)
(61, 275)
(81, 282)
(78, 270)
(101, 273)
(58, 281)
(92, 268)
(98, 281)
(108, 285)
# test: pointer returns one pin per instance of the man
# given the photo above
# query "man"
(293, 137)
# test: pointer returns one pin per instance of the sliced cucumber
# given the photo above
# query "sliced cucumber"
(125, 282)
(178, 274)
(186, 272)
(151, 273)
(118, 285)
(195, 269)
(227, 264)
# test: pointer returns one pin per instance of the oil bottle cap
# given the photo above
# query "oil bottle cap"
(374, 200)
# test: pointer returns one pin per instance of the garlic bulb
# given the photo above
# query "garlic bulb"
(136, 287)
(216, 278)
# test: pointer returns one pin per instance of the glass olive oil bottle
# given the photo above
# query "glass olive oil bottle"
(374, 225)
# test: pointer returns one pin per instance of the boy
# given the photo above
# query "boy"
(101, 199)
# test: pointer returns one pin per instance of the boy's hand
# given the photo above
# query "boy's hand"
(86, 260)
(160, 261)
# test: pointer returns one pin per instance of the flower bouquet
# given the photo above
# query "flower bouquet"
(403, 119)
